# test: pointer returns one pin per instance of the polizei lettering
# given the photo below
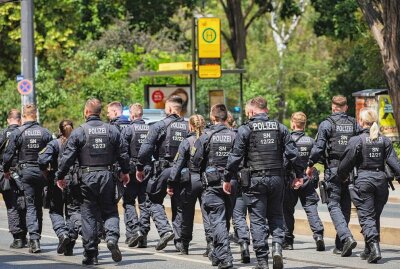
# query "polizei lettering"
(267, 125)
(344, 128)
(222, 138)
(179, 125)
(33, 133)
(99, 130)
(141, 127)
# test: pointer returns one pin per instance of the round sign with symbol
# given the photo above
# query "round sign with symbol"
(209, 35)
(157, 96)
(25, 87)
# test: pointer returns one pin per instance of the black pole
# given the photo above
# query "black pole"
(193, 75)
(241, 99)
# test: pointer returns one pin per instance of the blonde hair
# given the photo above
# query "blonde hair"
(339, 100)
(136, 110)
(29, 111)
(369, 117)
(299, 119)
(198, 123)
(231, 120)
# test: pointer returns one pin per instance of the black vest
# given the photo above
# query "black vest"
(174, 132)
(97, 150)
(139, 134)
(373, 153)
(220, 144)
(343, 128)
(32, 143)
(265, 146)
(304, 145)
(6, 135)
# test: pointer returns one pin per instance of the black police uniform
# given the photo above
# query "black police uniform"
(161, 144)
(27, 141)
(263, 143)
(97, 146)
(307, 194)
(211, 154)
(120, 122)
(369, 190)
(136, 227)
(333, 136)
(68, 201)
(186, 175)
(13, 197)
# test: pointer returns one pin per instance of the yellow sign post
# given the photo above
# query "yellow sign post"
(209, 47)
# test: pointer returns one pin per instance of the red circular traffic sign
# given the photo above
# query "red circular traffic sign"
(25, 87)
(157, 96)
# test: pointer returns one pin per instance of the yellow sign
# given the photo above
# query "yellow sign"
(387, 122)
(209, 37)
(210, 71)
(175, 66)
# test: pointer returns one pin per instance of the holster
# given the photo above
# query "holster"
(185, 175)
(245, 177)
(46, 197)
(159, 166)
(119, 188)
(212, 177)
(323, 191)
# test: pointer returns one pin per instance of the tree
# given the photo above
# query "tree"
(239, 23)
(284, 19)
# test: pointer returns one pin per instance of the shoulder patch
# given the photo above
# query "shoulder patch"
(43, 150)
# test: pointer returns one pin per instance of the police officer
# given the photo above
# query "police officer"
(69, 201)
(211, 154)
(263, 143)
(307, 194)
(333, 136)
(27, 141)
(114, 114)
(13, 195)
(97, 146)
(186, 175)
(369, 152)
(161, 143)
(136, 227)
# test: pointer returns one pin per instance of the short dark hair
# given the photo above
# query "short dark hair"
(94, 106)
(29, 110)
(14, 114)
(339, 100)
(116, 105)
(258, 102)
(176, 102)
(220, 112)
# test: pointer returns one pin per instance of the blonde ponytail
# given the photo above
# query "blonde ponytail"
(368, 119)
(197, 124)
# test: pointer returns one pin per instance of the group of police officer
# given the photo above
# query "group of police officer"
(260, 169)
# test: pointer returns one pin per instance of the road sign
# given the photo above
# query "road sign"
(157, 96)
(209, 47)
(25, 87)
(19, 78)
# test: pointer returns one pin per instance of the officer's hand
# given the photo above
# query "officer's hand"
(170, 191)
(7, 175)
(125, 178)
(309, 171)
(139, 176)
(61, 183)
(297, 183)
(227, 187)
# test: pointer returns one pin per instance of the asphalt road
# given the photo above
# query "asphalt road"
(304, 255)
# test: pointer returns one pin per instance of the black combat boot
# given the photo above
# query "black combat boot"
(17, 243)
(134, 240)
(365, 254)
(88, 260)
(277, 256)
(69, 249)
(287, 245)
(143, 243)
(244, 252)
(225, 265)
(185, 248)
(63, 241)
(348, 246)
(34, 246)
(319, 241)
(262, 264)
(116, 255)
(168, 236)
(208, 249)
(375, 254)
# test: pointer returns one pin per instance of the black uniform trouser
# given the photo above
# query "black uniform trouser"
(156, 207)
(33, 182)
(369, 196)
(15, 215)
(217, 204)
(133, 222)
(309, 200)
(265, 200)
(239, 221)
(98, 192)
(191, 192)
(339, 206)
(65, 213)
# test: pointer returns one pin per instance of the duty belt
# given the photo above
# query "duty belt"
(26, 165)
(89, 169)
(372, 169)
(333, 163)
(266, 172)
